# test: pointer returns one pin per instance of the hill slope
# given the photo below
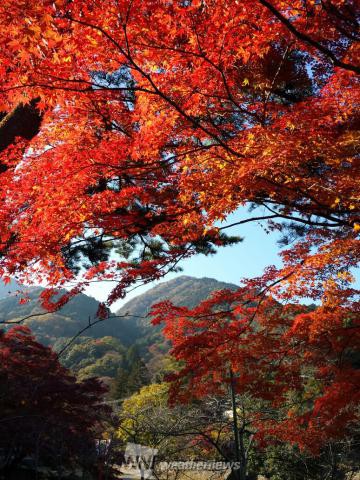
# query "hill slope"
(9, 289)
(90, 355)
(50, 327)
(182, 291)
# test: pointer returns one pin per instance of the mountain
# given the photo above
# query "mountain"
(101, 348)
(8, 289)
(182, 291)
(65, 323)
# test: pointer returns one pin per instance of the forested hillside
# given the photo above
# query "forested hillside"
(48, 327)
(101, 350)
(182, 291)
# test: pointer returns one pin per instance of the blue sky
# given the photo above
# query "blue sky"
(230, 264)
(247, 259)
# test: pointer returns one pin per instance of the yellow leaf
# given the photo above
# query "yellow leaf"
(290, 126)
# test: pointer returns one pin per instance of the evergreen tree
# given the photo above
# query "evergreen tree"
(131, 376)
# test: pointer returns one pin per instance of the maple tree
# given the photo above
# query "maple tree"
(155, 126)
(299, 360)
(158, 119)
(45, 413)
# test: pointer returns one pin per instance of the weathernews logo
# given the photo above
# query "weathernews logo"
(140, 463)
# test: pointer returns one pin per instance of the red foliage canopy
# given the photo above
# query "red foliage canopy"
(300, 360)
(45, 412)
(162, 117)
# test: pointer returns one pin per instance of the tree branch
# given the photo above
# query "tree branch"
(305, 38)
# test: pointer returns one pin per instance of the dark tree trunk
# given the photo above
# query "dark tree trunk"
(24, 121)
